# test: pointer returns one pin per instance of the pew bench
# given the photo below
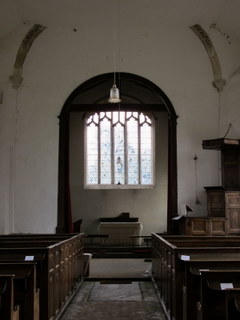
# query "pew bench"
(26, 293)
(173, 256)
(216, 285)
(59, 267)
(233, 304)
(192, 289)
(8, 309)
(194, 266)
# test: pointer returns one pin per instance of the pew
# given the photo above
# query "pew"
(8, 309)
(195, 293)
(26, 294)
(233, 305)
(215, 288)
(173, 257)
(59, 266)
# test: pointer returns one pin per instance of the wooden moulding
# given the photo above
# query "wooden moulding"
(218, 144)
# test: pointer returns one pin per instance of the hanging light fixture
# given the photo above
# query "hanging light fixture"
(114, 91)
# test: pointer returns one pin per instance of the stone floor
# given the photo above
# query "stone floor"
(117, 289)
(120, 268)
(115, 300)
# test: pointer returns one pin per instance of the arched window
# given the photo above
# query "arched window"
(119, 150)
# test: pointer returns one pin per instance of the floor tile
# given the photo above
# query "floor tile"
(132, 301)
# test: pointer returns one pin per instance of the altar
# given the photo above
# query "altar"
(119, 233)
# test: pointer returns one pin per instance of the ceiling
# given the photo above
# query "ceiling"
(132, 13)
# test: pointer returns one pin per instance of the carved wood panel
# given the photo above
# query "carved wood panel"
(216, 204)
(233, 212)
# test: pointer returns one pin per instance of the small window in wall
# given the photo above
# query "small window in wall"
(119, 150)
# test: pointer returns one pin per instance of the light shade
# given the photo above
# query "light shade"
(114, 95)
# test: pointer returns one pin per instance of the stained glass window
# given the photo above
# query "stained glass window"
(119, 149)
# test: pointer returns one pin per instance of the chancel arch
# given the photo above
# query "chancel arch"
(74, 202)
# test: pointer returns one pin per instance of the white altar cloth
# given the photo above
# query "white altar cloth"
(119, 232)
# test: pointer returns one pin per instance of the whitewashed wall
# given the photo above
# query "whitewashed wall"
(164, 52)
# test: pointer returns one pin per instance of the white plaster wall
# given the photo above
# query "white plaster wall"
(165, 52)
(29, 145)
(150, 206)
(230, 105)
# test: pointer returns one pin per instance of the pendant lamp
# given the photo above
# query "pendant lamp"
(114, 91)
(114, 95)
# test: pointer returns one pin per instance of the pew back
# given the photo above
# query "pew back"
(26, 294)
(8, 309)
(215, 288)
(59, 266)
(172, 257)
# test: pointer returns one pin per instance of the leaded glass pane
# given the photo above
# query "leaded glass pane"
(133, 169)
(92, 154)
(146, 154)
(96, 118)
(105, 177)
(115, 117)
(119, 160)
(141, 118)
(132, 151)
(105, 151)
(119, 116)
(146, 172)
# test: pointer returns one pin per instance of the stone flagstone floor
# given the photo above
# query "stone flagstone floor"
(115, 300)
(119, 268)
